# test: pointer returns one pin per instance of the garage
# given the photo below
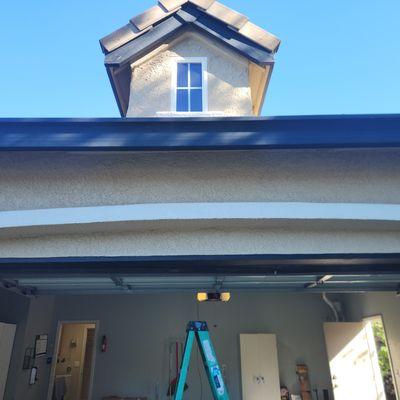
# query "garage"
(316, 310)
(110, 229)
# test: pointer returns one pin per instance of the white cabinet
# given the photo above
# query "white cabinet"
(7, 333)
(259, 366)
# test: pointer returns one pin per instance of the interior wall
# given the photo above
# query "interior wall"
(40, 321)
(139, 328)
(14, 309)
(361, 305)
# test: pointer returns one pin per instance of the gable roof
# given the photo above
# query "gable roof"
(171, 18)
(144, 22)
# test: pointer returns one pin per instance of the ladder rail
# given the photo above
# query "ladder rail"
(198, 330)
(184, 366)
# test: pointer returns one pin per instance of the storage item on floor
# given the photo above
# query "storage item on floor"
(285, 395)
(304, 380)
(60, 387)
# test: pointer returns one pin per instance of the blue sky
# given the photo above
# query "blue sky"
(336, 57)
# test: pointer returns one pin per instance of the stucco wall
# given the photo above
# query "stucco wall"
(362, 305)
(40, 180)
(43, 180)
(228, 79)
(139, 328)
(203, 241)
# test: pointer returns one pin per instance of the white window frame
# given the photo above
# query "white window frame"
(174, 69)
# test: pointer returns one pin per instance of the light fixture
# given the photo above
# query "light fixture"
(213, 296)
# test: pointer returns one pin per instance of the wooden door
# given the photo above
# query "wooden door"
(259, 366)
(7, 333)
(353, 361)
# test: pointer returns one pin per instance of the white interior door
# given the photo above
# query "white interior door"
(353, 361)
(259, 366)
(7, 333)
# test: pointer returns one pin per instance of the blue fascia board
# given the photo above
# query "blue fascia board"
(248, 264)
(227, 133)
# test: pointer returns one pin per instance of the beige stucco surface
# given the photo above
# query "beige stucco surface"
(257, 241)
(43, 180)
(40, 180)
(228, 79)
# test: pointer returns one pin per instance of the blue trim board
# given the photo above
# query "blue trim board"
(183, 134)
(258, 264)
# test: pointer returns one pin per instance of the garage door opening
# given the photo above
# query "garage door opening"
(144, 305)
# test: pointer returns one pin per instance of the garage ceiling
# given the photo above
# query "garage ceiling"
(140, 284)
(115, 275)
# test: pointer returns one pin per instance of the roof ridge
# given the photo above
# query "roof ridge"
(233, 19)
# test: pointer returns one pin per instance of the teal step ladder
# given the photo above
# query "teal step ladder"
(198, 330)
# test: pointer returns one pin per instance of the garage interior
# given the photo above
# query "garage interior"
(139, 320)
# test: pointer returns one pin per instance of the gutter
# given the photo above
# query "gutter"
(201, 133)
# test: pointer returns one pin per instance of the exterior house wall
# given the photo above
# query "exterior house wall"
(32, 181)
(203, 242)
(228, 79)
(139, 328)
(49, 180)
(362, 305)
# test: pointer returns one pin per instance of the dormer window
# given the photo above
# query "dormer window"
(190, 86)
(159, 65)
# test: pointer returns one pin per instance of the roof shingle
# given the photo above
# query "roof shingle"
(227, 15)
(142, 22)
(149, 17)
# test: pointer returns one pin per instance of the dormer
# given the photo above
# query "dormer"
(189, 58)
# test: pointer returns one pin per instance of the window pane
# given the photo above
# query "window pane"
(195, 75)
(183, 75)
(196, 100)
(182, 100)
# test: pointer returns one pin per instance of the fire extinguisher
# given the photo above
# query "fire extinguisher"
(104, 344)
